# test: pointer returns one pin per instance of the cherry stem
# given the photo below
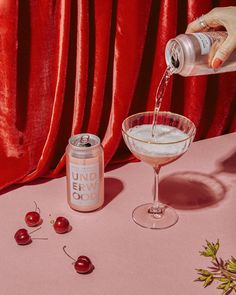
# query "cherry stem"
(37, 238)
(64, 249)
(35, 230)
(51, 220)
(37, 209)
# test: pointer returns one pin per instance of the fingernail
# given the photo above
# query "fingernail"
(217, 63)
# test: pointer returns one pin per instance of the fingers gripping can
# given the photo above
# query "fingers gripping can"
(85, 172)
(187, 54)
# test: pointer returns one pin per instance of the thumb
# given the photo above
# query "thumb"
(223, 52)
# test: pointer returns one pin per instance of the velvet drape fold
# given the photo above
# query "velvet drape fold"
(68, 67)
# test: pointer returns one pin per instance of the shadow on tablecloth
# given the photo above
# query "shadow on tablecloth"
(191, 190)
(112, 188)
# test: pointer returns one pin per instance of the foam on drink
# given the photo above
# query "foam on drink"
(168, 144)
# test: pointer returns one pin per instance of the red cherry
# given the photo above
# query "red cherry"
(61, 225)
(33, 218)
(22, 237)
(83, 265)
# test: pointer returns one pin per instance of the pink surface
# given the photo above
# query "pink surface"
(128, 259)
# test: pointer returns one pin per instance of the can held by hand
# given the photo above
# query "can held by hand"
(187, 54)
(85, 172)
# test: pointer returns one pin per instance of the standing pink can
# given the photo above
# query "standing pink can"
(85, 172)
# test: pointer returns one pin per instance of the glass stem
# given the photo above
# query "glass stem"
(155, 209)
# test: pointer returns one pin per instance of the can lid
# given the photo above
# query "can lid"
(84, 140)
(174, 55)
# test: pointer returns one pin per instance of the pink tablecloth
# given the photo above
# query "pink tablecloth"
(128, 259)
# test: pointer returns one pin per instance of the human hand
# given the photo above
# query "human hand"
(216, 18)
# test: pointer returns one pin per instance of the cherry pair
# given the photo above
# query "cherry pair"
(33, 218)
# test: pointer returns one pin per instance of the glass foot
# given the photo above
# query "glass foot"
(142, 216)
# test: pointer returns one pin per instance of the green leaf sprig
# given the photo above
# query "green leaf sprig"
(224, 272)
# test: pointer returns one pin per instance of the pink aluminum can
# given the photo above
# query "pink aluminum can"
(85, 172)
(187, 54)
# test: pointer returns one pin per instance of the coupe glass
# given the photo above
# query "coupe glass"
(166, 142)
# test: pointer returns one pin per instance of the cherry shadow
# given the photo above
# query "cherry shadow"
(112, 187)
(191, 190)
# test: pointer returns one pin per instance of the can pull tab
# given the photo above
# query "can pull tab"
(84, 141)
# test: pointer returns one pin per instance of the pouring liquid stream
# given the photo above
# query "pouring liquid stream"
(159, 96)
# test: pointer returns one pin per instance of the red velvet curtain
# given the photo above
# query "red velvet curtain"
(68, 67)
